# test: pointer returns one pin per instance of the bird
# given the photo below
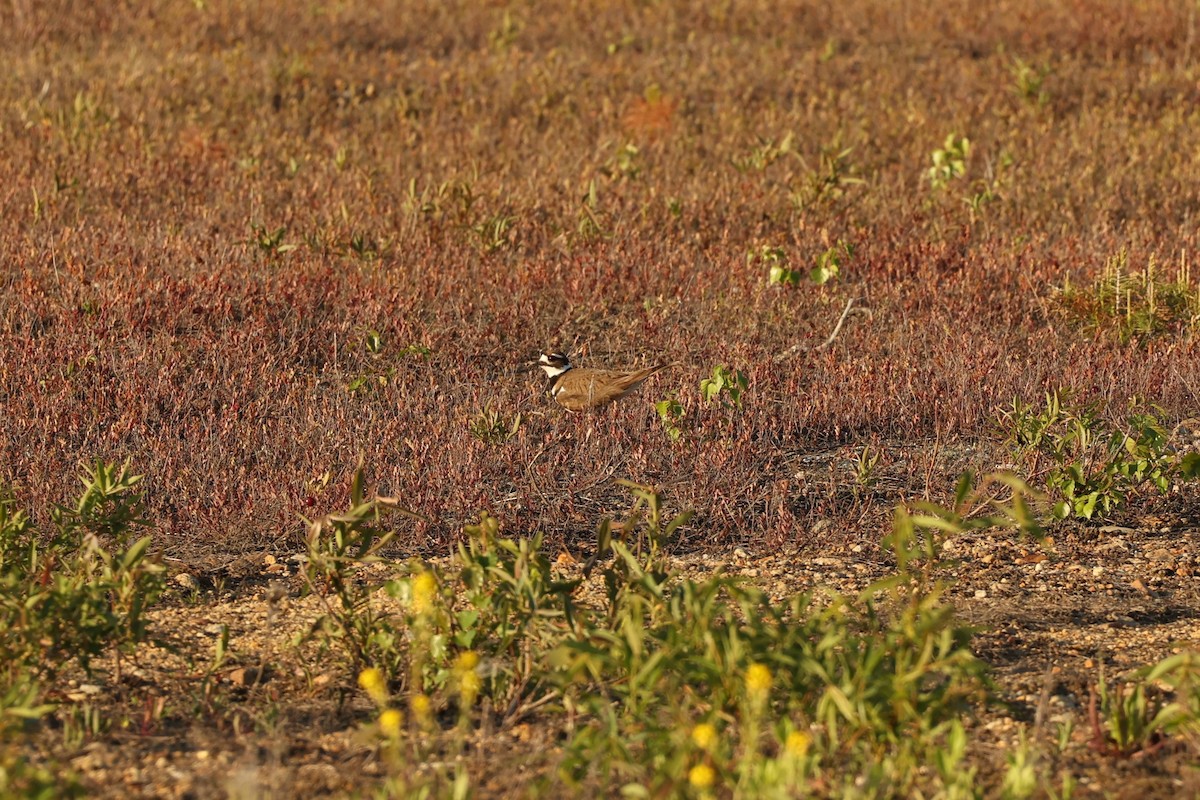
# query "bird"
(578, 388)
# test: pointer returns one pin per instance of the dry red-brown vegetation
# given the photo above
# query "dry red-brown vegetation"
(207, 209)
(149, 148)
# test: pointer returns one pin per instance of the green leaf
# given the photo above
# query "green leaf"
(1189, 466)
(134, 554)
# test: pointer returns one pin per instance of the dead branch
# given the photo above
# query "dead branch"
(799, 347)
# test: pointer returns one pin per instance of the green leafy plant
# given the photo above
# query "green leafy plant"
(339, 547)
(513, 602)
(590, 223)
(1137, 305)
(670, 415)
(490, 427)
(1130, 717)
(949, 162)
(1093, 467)
(516, 610)
(83, 590)
(766, 695)
(989, 188)
(494, 232)
(725, 386)
(209, 686)
(373, 342)
(269, 242)
(381, 374)
(1020, 776)
(69, 595)
(865, 463)
(829, 263)
(848, 680)
(20, 777)
(429, 201)
(1029, 81)
(415, 350)
(82, 723)
(625, 163)
(764, 155)
(776, 261)
(829, 181)
(365, 247)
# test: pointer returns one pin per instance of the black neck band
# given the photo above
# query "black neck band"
(554, 381)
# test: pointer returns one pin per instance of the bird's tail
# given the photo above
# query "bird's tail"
(641, 375)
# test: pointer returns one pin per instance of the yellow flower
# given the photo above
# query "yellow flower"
(374, 684)
(424, 592)
(797, 744)
(702, 776)
(390, 723)
(704, 736)
(758, 679)
(469, 682)
(470, 686)
(467, 661)
(421, 708)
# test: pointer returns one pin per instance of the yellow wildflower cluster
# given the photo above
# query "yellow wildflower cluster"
(422, 709)
(702, 776)
(391, 723)
(424, 593)
(758, 679)
(469, 682)
(704, 736)
(371, 681)
(797, 744)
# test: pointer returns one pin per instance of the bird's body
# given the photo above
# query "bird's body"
(578, 388)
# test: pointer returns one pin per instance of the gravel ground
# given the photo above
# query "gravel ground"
(1048, 616)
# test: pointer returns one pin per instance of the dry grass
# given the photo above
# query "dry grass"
(431, 165)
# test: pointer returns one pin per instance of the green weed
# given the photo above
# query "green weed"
(82, 590)
(1093, 467)
(270, 243)
(1130, 717)
(494, 232)
(776, 261)
(380, 376)
(829, 263)
(765, 694)
(1132, 304)
(725, 386)
(865, 463)
(829, 181)
(490, 427)
(339, 548)
(625, 163)
(1029, 81)
(764, 155)
(590, 224)
(949, 162)
(68, 595)
(670, 415)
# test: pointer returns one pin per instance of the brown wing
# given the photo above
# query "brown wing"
(589, 388)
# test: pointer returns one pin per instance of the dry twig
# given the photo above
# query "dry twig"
(798, 347)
